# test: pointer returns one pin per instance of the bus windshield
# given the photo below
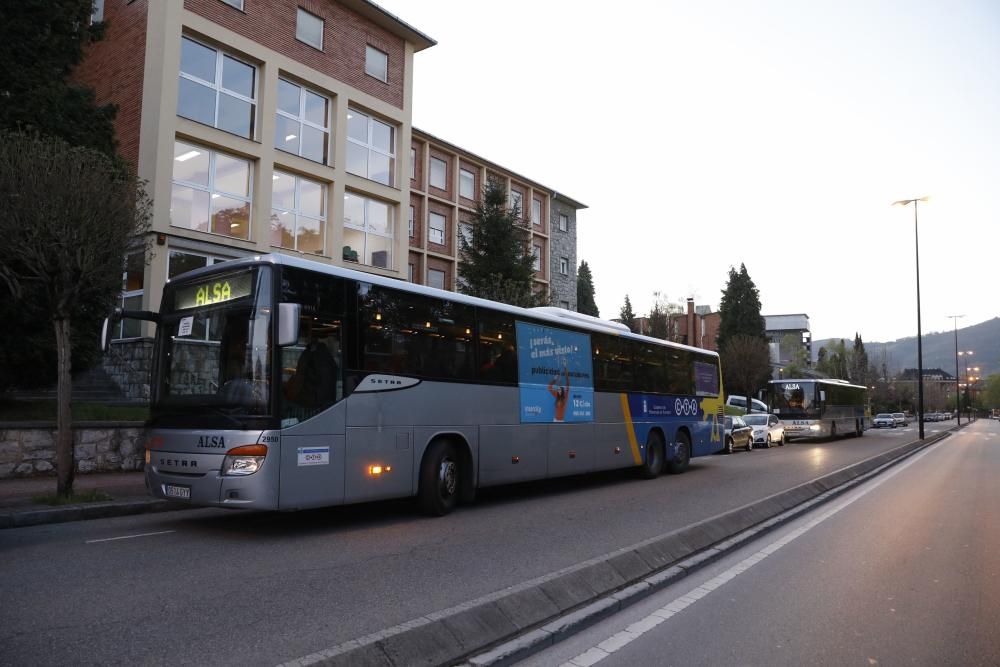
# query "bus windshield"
(794, 398)
(214, 347)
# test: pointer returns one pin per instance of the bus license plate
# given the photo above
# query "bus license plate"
(175, 491)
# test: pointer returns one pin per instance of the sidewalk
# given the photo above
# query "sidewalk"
(18, 506)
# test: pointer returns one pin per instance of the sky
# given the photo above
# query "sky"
(707, 134)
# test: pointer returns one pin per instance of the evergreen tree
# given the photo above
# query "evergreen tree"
(627, 315)
(495, 260)
(41, 41)
(739, 309)
(859, 362)
(585, 302)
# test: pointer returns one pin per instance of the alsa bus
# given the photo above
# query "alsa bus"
(819, 408)
(280, 383)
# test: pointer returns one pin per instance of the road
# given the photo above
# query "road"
(254, 588)
(904, 570)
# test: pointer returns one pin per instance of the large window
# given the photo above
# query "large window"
(216, 89)
(517, 202)
(376, 63)
(309, 29)
(411, 220)
(210, 191)
(536, 254)
(298, 213)
(415, 335)
(132, 288)
(302, 124)
(368, 230)
(436, 228)
(497, 347)
(436, 278)
(179, 262)
(371, 147)
(466, 184)
(536, 212)
(439, 174)
(612, 363)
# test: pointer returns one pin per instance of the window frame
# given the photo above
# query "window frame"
(563, 222)
(368, 230)
(301, 120)
(370, 147)
(444, 278)
(536, 253)
(564, 266)
(431, 228)
(461, 182)
(385, 56)
(119, 331)
(235, 4)
(537, 220)
(219, 90)
(322, 27)
(211, 190)
(296, 212)
(430, 177)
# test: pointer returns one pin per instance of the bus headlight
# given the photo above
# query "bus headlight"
(814, 427)
(245, 460)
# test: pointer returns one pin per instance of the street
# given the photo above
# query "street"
(256, 588)
(903, 570)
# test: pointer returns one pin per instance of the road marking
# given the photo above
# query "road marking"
(635, 630)
(129, 537)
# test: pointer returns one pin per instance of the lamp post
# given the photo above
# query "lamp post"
(920, 347)
(954, 319)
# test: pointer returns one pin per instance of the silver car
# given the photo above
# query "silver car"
(884, 420)
(767, 430)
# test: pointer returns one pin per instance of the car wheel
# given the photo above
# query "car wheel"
(680, 462)
(767, 443)
(439, 479)
(653, 466)
(781, 440)
(750, 444)
(729, 445)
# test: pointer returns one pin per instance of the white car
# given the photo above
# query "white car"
(767, 429)
(900, 419)
(741, 402)
(884, 420)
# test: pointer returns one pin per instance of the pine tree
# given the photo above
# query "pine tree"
(627, 315)
(739, 309)
(859, 362)
(495, 260)
(585, 302)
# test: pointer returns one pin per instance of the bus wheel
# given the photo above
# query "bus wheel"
(833, 429)
(683, 457)
(861, 429)
(439, 479)
(653, 466)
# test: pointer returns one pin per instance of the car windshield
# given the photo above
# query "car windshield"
(883, 416)
(756, 420)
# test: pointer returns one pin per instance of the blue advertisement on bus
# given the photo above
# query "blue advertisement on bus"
(555, 375)
(653, 407)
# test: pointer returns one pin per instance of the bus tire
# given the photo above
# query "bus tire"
(653, 465)
(440, 479)
(861, 428)
(833, 429)
(680, 462)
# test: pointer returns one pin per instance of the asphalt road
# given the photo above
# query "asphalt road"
(212, 586)
(906, 571)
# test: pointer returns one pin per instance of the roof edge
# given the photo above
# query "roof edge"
(390, 22)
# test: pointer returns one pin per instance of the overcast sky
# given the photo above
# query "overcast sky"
(705, 134)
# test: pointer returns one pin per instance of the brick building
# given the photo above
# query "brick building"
(285, 126)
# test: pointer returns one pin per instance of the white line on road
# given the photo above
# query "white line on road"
(129, 537)
(617, 641)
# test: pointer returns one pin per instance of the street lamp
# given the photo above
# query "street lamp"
(920, 347)
(958, 400)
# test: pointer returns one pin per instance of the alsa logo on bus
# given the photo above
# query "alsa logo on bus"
(792, 387)
(214, 293)
(212, 441)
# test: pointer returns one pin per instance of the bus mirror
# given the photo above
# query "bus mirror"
(288, 323)
(106, 334)
(822, 395)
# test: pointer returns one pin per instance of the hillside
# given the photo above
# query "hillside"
(939, 349)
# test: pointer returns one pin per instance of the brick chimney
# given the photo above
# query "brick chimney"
(690, 324)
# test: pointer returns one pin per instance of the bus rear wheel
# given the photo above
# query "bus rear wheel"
(439, 479)
(680, 461)
(833, 429)
(653, 466)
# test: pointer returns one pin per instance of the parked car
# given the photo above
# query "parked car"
(884, 420)
(767, 429)
(900, 419)
(738, 434)
(741, 402)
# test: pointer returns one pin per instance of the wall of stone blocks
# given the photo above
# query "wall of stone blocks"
(562, 244)
(31, 452)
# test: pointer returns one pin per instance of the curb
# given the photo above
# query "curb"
(513, 623)
(84, 512)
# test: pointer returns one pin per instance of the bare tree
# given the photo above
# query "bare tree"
(67, 218)
(746, 364)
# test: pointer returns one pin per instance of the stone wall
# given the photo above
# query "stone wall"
(31, 451)
(128, 362)
(562, 244)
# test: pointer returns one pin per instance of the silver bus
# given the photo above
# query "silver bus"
(819, 408)
(280, 383)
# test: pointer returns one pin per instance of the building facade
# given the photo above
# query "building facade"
(778, 328)
(286, 126)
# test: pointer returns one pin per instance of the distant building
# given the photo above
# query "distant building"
(697, 327)
(777, 327)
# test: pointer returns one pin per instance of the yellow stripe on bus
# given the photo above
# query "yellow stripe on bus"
(630, 429)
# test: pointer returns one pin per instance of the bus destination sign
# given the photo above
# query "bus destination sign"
(216, 290)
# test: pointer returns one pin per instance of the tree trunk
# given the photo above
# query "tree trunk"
(64, 418)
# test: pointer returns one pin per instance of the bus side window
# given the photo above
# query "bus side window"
(497, 347)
